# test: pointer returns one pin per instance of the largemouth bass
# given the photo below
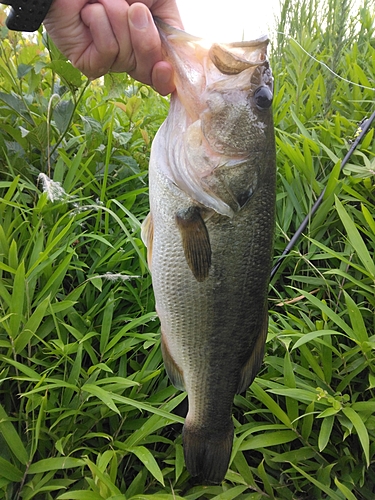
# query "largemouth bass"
(209, 233)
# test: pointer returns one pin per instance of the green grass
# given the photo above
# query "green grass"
(86, 409)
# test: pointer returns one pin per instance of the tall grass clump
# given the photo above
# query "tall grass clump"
(86, 409)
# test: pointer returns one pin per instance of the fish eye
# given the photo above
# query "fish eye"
(263, 97)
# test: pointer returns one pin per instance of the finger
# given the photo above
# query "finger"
(100, 55)
(118, 12)
(167, 10)
(145, 41)
(65, 8)
(162, 78)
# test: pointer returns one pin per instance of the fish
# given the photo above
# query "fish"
(209, 233)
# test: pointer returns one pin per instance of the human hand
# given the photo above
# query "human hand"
(98, 36)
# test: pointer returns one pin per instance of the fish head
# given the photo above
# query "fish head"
(219, 129)
(242, 66)
(238, 118)
(228, 87)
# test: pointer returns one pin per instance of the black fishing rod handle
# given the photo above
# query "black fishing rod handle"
(27, 15)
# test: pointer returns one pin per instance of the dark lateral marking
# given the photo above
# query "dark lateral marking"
(195, 241)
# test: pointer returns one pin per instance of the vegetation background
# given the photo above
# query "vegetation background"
(86, 410)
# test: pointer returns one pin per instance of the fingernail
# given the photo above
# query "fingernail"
(139, 18)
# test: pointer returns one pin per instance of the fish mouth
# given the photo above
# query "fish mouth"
(229, 58)
(233, 58)
(171, 30)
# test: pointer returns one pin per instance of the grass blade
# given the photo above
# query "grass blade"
(146, 457)
(270, 404)
(355, 238)
(361, 431)
(328, 491)
(31, 326)
(356, 319)
(268, 439)
(10, 471)
(12, 438)
(101, 394)
(18, 299)
(55, 463)
(81, 495)
(325, 432)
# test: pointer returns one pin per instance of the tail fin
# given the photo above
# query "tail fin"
(207, 452)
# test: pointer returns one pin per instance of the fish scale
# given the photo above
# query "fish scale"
(209, 234)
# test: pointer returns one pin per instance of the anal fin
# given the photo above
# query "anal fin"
(173, 371)
(195, 241)
(252, 366)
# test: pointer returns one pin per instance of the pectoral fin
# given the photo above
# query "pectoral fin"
(251, 368)
(147, 235)
(195, 241)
